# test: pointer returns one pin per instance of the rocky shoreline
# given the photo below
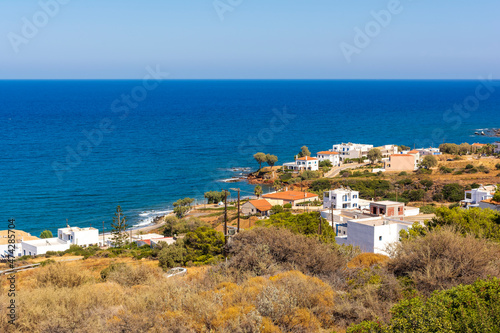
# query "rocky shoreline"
(490, 132)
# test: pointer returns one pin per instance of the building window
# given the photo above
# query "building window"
(379, 238)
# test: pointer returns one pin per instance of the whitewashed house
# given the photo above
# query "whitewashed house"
(388, 150)
(372, 234)
(65, 238)
(428, 151)
(476, 195)
(42, 246)
(79, 236)
(341, 199)
(332, 156)
(14, 248)
(351, 150)
(303, 163)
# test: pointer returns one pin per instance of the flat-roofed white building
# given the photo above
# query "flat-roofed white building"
(332, 156)
(11, 240)
(388, 150)
(372, 234)
(351, 150)
(341, 199)
(65, 238)
(42, 246)
(79, 236)
(476, 195)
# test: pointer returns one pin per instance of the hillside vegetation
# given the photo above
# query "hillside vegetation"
(279, 277)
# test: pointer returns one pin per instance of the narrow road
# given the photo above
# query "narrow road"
(335, 171)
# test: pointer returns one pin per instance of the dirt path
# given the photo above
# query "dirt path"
(335, 171)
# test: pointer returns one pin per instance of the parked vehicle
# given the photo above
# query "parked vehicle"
(177, 271)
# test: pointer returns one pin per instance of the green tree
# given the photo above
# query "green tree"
(271, 159)
(429, 161)
(204, 246)
(214, 197)
(304, 151)
(260, 158)
(182, 206)
(497, 166)
(305, 224)
(173, 255)
(374, 155)
(258, 191)
(276, 209)
(403, 147)
(46, 234)
(120, 227)
(496, 197)
(453, 192)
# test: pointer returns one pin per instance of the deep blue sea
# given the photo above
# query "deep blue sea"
(76, 149)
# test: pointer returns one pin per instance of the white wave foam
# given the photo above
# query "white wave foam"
(149, 217)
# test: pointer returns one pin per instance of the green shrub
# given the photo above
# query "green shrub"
(445, 170)
(465, 308)
(416, 195)
(458, 173)
(497, 166)
(453, 192)
(437, 197)
(423, 171)
(321, 185)
(403, 173)
(428, 209)
(469, 166)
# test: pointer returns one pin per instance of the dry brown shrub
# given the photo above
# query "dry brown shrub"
(370, 294)
(367, 260)
(302, 320)
(62, 275)
(127, 275)
(267, 251)
(443, 259)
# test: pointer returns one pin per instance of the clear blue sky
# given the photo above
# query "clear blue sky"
(448, 39)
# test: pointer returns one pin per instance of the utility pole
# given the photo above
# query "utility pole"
(238, 227)
(320, 222)
(103, 234)
(238, 190)
(225, 217)
(331, 211)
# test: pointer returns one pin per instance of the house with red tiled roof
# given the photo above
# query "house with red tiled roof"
(289, 197)
(252, 207)
(303, 163)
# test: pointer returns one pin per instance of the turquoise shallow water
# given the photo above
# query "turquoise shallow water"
(69, 151)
